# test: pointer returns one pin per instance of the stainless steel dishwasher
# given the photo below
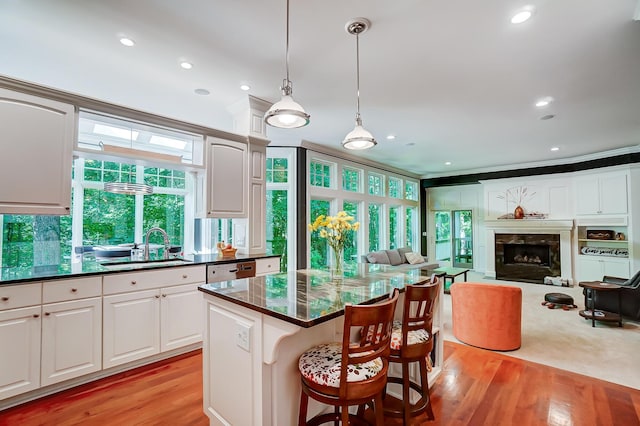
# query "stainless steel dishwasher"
(231, 271)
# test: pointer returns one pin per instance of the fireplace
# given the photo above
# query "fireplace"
(527, 257)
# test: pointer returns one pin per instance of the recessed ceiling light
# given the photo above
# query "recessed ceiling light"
(127, 41)
(245, 87)
(203, 92)
(555, 148)
(448, 163)
(543, 102)
(186, 65)
(547, 117)
(411, 144)
(522, 15)
(391, 137)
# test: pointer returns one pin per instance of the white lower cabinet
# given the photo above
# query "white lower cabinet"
(71, 339)
(131, 327)
(593, 268)
(19, 351)
(141, 323)
(181, 316)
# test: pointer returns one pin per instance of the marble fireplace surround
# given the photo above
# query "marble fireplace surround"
(564, 228)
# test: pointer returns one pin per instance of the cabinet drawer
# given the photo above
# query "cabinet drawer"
(17, 296)
(146, 280)
(80, 288)
(269, 265)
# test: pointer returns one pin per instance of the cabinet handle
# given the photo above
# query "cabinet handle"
(36, 316)
(164, 295)
(5, 299)
(67, 208)
(157, 297)
(185, 276)
(133, 282)
(73, 290)
(47, 314)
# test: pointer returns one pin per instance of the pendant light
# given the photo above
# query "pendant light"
(287, 113)
(359, 137)
(128, 188)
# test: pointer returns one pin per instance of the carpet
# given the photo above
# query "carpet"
(565, 340)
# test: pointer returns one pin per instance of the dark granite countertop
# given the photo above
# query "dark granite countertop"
(69, 269)
(309, 296)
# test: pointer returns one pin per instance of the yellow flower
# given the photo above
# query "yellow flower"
(335, 228)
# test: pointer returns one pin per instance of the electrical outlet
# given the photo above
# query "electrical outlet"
(243, 336)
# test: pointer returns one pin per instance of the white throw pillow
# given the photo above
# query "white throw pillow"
(414, 258)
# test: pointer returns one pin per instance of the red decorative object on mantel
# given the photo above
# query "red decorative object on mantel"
(518, 213)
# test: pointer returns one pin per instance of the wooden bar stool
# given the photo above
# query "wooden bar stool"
(412, 341)
(353, 372)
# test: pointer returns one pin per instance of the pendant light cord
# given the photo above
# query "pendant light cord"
(286, 54)
(358, 77)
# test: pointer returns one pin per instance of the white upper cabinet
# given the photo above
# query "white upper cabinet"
(36, 144)
(601, 194)
(227, 179)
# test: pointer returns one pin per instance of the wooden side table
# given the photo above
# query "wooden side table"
(590, 311)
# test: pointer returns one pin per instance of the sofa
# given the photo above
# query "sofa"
(399, 259)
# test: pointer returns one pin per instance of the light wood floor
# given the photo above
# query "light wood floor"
(477, 387)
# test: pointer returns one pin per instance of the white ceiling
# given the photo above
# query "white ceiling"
(454, 80)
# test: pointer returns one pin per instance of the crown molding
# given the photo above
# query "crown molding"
(557, 162)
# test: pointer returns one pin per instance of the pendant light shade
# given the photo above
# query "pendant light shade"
(359, 138)
(286, 113)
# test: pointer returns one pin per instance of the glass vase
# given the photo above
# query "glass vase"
(338, 263)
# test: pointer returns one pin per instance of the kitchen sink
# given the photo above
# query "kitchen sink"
(140, 264)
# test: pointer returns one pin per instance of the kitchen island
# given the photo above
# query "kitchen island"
(258, 327)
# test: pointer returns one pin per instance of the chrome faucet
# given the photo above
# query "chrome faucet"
(165, 255)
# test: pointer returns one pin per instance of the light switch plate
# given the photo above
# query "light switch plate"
(243, 336)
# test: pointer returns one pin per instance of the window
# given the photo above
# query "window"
(108, 219)
(411, 191)
(374, 226)
(164, 178)
(277, 170)
(280, 211)
(393, 227)
(410, 227)
(350, 179)
(102, 132)
(351, 241)
(277, 223)
(376, 184)
(320, 174)
(395, 187)
(319, 246)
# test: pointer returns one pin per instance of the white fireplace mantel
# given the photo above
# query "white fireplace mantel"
(532, 226)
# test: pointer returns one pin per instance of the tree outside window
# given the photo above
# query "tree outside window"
(350, 179)
(351, 240)
(376, 184)
(393, 227)
(320, 174)
(374, 226)
(319, 246)
(395, 187)
(410, 223)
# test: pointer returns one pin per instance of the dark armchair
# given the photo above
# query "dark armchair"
(608, 300)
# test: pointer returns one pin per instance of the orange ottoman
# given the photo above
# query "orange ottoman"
(488, 316)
